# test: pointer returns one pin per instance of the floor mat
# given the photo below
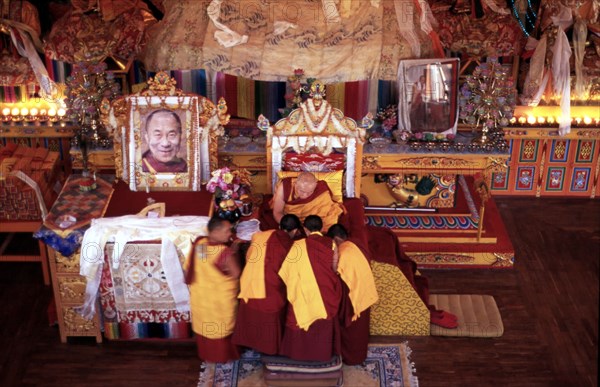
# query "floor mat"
(386, 365)
(478, 315)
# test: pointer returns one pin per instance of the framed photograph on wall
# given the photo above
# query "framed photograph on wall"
(165, 139)
(161, 145)
(428, 95)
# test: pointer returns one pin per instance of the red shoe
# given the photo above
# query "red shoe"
(444, 320)
(441, 313)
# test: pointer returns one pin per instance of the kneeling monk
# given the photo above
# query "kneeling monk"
(314, 292)
(358, 294)
(261, 313)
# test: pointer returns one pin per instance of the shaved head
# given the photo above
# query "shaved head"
(306, 178)
(305, 185)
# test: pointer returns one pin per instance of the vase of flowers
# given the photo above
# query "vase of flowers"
(228, 186)
(487, 99)
(386, 122)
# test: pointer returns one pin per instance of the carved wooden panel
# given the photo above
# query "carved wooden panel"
(72, 289)
(75, 325)
(67, 264)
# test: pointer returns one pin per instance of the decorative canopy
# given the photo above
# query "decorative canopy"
(94, 31)
(316, 117)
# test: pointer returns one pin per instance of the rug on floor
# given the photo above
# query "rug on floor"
(386, 365)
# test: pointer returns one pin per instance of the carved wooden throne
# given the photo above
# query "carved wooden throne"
(316, 137)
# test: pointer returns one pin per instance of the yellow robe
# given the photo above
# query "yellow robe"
(252, 281)
(302, 289)
(320, 203)
(356, 272)
(213, 295)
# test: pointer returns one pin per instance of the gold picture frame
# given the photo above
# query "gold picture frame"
(145, 171)
(185, 158)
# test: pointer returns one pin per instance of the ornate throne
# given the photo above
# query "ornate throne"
(316, 137)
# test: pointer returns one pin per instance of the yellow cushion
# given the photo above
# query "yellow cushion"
(334, 179)
(399, 311)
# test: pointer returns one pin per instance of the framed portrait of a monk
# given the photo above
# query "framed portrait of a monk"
(161, 144)
(164, 139)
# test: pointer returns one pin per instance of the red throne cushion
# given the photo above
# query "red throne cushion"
(313, 162)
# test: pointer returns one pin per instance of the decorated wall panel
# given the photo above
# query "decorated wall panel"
(543, 167)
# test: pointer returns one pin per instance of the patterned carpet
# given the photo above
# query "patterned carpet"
(386, 365)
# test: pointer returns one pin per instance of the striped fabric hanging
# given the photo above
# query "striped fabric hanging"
(8, 94)
(58, 71)
(246, 98)
(190, 81)
(269, 99)
(387, 94)
(356, 100)
(136, 73)
(335, 94)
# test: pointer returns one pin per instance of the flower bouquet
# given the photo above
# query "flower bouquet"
(389, 119)
(228, 186)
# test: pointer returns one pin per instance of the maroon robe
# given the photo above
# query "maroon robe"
(259, 323)
(322, 340)
(354, 334)
(174, 166)
(216, 350)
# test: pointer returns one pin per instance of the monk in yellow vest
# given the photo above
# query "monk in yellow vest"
(358, 294)
(212, 272)
(314, 293)
(261, 313)
(304, 196)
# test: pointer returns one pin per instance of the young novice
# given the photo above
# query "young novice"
(212, 273)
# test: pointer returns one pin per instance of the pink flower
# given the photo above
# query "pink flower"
(298, 72)
(211, 186)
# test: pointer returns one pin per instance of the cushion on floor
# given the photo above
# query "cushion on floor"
(478, 315)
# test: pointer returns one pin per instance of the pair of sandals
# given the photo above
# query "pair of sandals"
(443, 319)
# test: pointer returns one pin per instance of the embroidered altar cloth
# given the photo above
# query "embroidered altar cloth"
(176, 234)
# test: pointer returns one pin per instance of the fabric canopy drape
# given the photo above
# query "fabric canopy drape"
(335, 41)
